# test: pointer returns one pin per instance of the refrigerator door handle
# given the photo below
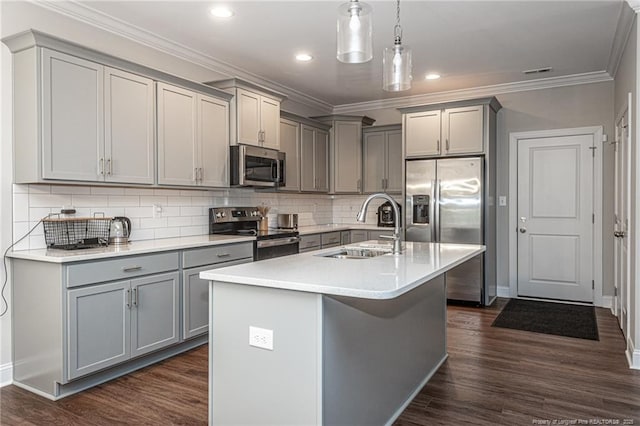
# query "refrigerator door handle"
(435, 223)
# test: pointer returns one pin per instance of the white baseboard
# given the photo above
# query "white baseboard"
(504, 291)
(633, 355)
(6, 374)
(606, 302)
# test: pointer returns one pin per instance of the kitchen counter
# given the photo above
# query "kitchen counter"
(133, 248)
(381, 277)
(330, 341)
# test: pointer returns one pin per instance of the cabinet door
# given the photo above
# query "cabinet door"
(307, 158)
(374, 161)
(73, 121)
(394, 161)
(176, 135)
(248, 117)
(422, 133)
(462, 130)
(129, 111)
(98, 328)
(213, 137)
(290, 145)
(270, 122)
(347, 157)
(154, 313)
(195, 299)
(321, 160)
(358, 236)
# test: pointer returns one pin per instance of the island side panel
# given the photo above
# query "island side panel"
(378, 353)
(250, 385)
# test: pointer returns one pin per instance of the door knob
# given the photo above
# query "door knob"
(523, 230)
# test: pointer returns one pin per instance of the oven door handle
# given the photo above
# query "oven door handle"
(277, 242)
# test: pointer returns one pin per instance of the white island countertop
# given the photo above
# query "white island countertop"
(382, 277)
(133, 248)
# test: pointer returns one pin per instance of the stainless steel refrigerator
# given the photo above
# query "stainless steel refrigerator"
(446, 202)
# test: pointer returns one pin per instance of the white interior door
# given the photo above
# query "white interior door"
(555, 217)
(621, 224)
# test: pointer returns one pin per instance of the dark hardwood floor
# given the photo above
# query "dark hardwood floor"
(493, 376)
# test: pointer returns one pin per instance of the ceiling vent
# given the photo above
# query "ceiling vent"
(537, 70)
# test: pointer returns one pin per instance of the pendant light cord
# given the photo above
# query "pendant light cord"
(397, 29)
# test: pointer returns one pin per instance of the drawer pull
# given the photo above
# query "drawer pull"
(224, 254)
(131, 268)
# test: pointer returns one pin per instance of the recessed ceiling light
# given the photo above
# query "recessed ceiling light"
(432, 76)
(303, 57)
(222, 12)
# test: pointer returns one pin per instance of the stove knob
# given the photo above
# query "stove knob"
(223, 214)
(218, 215)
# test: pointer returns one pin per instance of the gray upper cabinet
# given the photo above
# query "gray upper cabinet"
(83, 116)
(255, 113)
(192, 138)
(345, 152)
(313, 164)
(382, 159)
(290, 145)
(456, 128)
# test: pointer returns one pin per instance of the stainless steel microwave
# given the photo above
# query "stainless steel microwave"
(255, 166)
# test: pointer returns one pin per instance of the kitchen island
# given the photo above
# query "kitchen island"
(324, 338)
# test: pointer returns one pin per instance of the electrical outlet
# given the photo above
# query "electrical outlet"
(502, 200)
(261, 338)
(157, 211)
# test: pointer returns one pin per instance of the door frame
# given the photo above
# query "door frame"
(514, 138)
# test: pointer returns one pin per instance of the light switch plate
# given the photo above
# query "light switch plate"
(261, 338)
(502, 200)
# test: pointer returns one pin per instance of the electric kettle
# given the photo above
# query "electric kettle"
(120, 230)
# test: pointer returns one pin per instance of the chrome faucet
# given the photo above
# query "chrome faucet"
(362, 215)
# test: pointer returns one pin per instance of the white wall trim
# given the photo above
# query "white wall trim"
(635, 5)
(475, 92)
(6, 374)
(503, 291)
(620, 38)
(84, 13)
(597, 132)
(633, 355)
(606, 302)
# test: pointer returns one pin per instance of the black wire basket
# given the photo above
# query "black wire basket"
(76, 233)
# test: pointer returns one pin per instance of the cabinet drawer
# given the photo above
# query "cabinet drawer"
(216, 254)
(121, 268)
(330, 238)
(309, 241)
(375, 235)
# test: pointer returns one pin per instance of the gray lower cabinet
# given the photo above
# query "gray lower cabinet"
(331, 239)
(111, 323)
(359, 236)
(195, 291)
(310, 243)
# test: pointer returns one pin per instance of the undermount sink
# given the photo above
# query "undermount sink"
(356, 253)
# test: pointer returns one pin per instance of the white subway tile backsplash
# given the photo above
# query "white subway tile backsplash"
(20, 189)
(149, 200)
(54, 201)
(39, 189)
(106, 190)
(37, 213)
(146, 211)
(202, 201)
(20, 207)
(191, 211)
(123, 200)
(68, 189)
(170, 211)
(188, 231)
(179, 221)
(36, 242)
(178, 201)
(160, 222)
(167, 232)
(139, 191)
(89, 200)
(142, 234)
(165, 192)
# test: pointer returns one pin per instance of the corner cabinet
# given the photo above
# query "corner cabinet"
(193, 135)
(305, 143)
(255, 113)
(345, 152)
(451, 129)
(382, 159)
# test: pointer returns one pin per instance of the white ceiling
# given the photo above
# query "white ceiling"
(470, 43)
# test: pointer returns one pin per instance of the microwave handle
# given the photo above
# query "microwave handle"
(277, 176)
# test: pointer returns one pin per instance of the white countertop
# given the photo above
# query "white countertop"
(133, 248)
(317, 229)
(382, 277)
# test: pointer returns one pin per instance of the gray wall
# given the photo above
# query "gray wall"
(562, 107)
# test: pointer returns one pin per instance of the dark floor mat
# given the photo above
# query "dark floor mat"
(549, 318)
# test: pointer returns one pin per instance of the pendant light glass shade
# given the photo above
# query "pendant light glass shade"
(396, 68)
(354, 36)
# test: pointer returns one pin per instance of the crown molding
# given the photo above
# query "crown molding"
(476, 92)
(634, 4)
(83, 13)
(623, 30)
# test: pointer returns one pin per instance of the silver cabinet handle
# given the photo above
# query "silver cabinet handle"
(359, 184)
(128, 302)
(102, 166)
(135, 296)
(201, 174)
(131, 268)
(224, 254)
(109, 166)
(447, 143)
(619, 234)
(523, 230)
(438, 145)
(195, 174)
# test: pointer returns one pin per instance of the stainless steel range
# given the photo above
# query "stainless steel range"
(244, 221)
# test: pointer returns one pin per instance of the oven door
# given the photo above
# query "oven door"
(268, 249)
(254, 166)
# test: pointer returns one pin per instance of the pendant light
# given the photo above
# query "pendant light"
(396, 62)
(354, 33)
